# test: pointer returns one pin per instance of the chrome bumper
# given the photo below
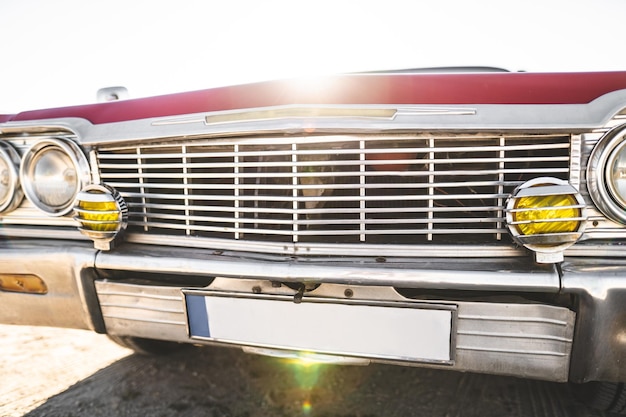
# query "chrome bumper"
(599, 352)
(522, 339)
(583, 341)
(486, 274)
(67, 269)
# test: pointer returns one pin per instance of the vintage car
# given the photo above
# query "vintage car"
(471, 221)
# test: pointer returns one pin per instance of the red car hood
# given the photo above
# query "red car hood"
(393, 89)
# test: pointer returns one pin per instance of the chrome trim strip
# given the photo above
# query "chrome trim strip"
(146, 320)
(289, 112)
(128, 293)
(306, 357)
(428, 251)
(514, 319)
(301, 113)
(8, 230)
(588, 250)
(134, 306)
(515, 336)
(301, 248)
(515, 351)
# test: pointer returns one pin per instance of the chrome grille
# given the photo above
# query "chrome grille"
(391, 189)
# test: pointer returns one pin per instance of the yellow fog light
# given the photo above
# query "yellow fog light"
(22, 283)
(539, 215)
(102, 214)
(546, 215)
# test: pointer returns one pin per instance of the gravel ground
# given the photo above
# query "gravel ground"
(68, 373)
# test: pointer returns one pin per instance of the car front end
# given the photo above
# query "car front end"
(472, 222)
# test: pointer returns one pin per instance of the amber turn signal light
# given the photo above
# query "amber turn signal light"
(26, 283)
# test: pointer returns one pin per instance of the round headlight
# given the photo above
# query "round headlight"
(53, 172)
(606, 174)
(10, 193)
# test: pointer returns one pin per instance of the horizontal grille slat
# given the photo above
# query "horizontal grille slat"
(270, 187)
(312, 233)
(339, 222)
(395, 189)
(316, 211)
(307, 164)
(210, 175)
(321, 199)
(339, 151)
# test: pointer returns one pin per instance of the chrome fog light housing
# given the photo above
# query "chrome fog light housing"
(11, 194)
(102, 214)
(606, 174)
(52, 173)
(546, 215)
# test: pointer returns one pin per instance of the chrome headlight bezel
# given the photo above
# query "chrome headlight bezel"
(14, 194)
(78, 162)
(600, 181)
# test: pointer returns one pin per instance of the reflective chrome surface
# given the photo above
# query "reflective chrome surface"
(600, 173)
(102, 214)
(343, 189)
(531, 339)
(600, 348)
(552, 219)
(306, 357)
(52, 173)
(583, 124)
(65, 269)
(11, 193)
(152, 312)
(487, 274)
(526, 340)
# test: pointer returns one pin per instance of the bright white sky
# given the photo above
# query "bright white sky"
(57, 53)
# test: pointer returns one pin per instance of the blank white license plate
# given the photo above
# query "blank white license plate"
(398, 331)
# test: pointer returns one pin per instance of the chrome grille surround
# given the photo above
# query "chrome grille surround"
(336, 190)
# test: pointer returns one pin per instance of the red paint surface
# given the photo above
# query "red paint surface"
(446, 89)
